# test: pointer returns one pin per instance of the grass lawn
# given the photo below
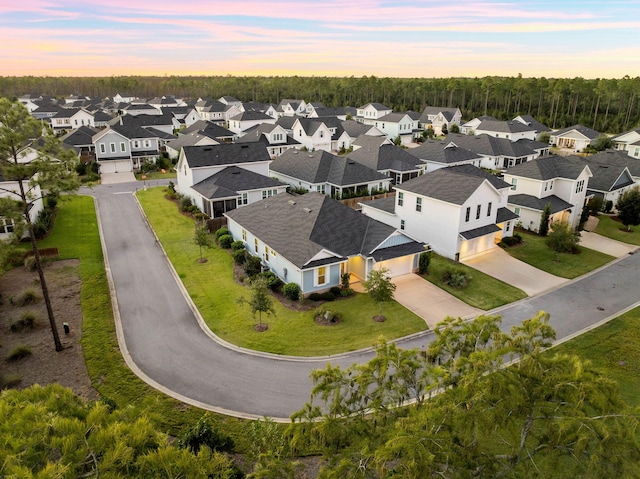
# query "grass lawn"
(611, 229)
(214, 292)
(535, 252)
(156, 175)
(614, 348)
(483, 291)
(75, 233)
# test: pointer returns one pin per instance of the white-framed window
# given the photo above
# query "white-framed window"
(579, 186)
(321, 189)
(268, 193)
(516, 210)
(489, 209)
(321, 134)
(266, 253)
(478, 209)
(418, 204)
(514, 183)
(123, 148)
(402, 224)
(103, 148)
(136, 144)
(467, 214)
(400, 198)
(244, 235)
(112, 147)
(321, 276)
(147, 143)
(7, 225)
(255, 244)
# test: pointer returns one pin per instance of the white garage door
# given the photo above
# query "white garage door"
(115, 166)
(397, 266)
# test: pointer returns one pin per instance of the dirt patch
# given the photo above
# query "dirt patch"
(45, 365)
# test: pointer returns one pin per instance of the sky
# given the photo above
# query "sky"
(402, 38)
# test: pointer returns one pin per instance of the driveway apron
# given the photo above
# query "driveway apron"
(605, 245)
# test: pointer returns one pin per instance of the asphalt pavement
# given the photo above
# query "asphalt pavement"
(164, 343)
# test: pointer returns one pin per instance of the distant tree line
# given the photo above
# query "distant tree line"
(607, 105)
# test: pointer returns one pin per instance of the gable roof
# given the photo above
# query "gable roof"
(616, 158)
(453, 184)
(207, 128)
(385, 157)
(375, 106)
(586, 131)
(607, 176)
(323, 167)
(80, 136)
(491, 146)
(538, 204)
(251, 115)
(532, 122)
(442, 152)
(504, 126)
(224, 154)
(354, 129)
(231, 181)
(132, 131)
(300, 227)
(448, 113)
(393, 117)
(548, 168)
(166, 119)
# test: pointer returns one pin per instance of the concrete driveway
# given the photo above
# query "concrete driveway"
(428, 301)
(605, 245)
(499, 264)
(115, 178)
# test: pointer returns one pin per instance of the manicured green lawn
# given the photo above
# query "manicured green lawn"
(611, 229)
(483, 291)
(534, 251)
(156, 175)
(614, 348)
(214, 292)
(76, 235)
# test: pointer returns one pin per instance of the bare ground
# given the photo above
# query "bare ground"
(44, 365)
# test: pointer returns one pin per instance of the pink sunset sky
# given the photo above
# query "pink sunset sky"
(333, 38)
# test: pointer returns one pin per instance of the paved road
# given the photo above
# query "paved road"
(163, 343)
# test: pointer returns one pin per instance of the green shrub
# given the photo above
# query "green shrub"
(28, 297)
(512, 240)
(94, 167)
(52, 201)
(9, 380)
(346, 292)
(237, 245)
(315, 297)
(252, 266)
(222, 231)
(225, 241)
(335, 291)
(291, 291)
(206, 433)
(328, 296)
(608, 206)
(81, 169)
(455, 278)
(19, 352)
(344, 280)
(272, 281)
(239, 256)
(26, 321)
(423, 262)
(185, 203)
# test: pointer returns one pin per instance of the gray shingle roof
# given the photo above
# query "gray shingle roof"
(376, 106)
(233, 180)
(607, 176)
(225, 154)
(532, 122)
(386, 157)
(615, 158)
(251, 115)
(299, 227)
(453, 184)
(207, 128)
(586, 131)
(144, 120)
(490, 146)
(387, 204)
(478, 232)
(548, 168)
(504, 126)
(321, 167)
(443, 152)
(538, 204)
(80, 137)
(132, 132)
(505, 214)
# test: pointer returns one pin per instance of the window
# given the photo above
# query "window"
(244, 235)
(123, 148)
(243, 199)
(551, 185)
(255, 244)
(489, 209)
(112, 147)
(147, 143)
(268, 193)
(467, 214)
(508, 227)
(418, 204)
(400, 198)
(517, 211)
(322, 275)
(321, 189)
(273, 253)
(103, 149)
(478, 211)
(514, 183)
(136, 144)
(322, 134)
(402, 224)
(580, 186)
(7, 225)
(266, 253)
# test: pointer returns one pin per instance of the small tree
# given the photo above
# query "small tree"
(260, 301)
(423, 262)
(628, 207)
(202, 238)
(563, 238)
(380, 288)
(544, 220)
(455, 128)
(595, 205)
(545, 137)
(602, 143)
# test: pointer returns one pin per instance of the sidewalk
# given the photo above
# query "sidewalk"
(605, 245)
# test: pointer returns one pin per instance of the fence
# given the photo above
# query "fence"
(353, 202)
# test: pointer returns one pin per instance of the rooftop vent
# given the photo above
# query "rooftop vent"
(307, 210)
(291, 202)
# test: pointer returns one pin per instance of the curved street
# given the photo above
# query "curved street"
(162, 341)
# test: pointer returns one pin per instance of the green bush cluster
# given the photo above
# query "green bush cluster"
(511, 240)
(291, 291)
(455, 278)
(225, 241)
(327, 296)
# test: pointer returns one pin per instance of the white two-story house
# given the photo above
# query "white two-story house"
(395, 125)
(312, 134)
(371, 112)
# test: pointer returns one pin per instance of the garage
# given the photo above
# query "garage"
(115, 166)
(400, 259)
(477, 241)
(397, 266)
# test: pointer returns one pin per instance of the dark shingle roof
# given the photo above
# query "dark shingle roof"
(131, 132)
(225, 154)
(387, 204)
(478, 232)
(300, 227)
(607, 176)
(145, 120)
(207, 128)
(549, 167)
(453, 184)
(386, 157)
(533, 123)
(490, 146)
(615, 158)
(442, 152)
(586, 131)
(505, 214)
(321, 167)
(80, 137)
(376, 106)
(251, 115)
(231, 181)
(538, 204)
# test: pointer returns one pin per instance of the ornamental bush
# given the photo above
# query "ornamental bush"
(291, 291)
(225, 241)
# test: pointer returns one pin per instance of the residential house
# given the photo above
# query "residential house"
(355, 130)
(216, 111)
(123, 98)
(197, 163)
(166, 102)
(469, 127)
(511, 130)
(611, 176)
(230, 188)
(323, 111)
(274, 137)
(328, 174)
(390, 160)
(81, 140)
(628, 141)
(10, 189)
(289, 107)
(439, 119)
(212, 130)
(617, 158)
(47, 111)
(340, 139)
(231, 101)
(248, 119)
(165, 122)
(101, 119)
(561, 182)
(312, 240)
(460, 211)
(140, 109)
(121, 148)
(398, 125)
(174, 147)
(576, 137)
(312, 134)
(70, 119)
(539, 128)
(437, 154)
(371, 112)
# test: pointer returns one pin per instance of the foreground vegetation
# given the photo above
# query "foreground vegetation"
(534, 251)
(292, 332)
(609, 227)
